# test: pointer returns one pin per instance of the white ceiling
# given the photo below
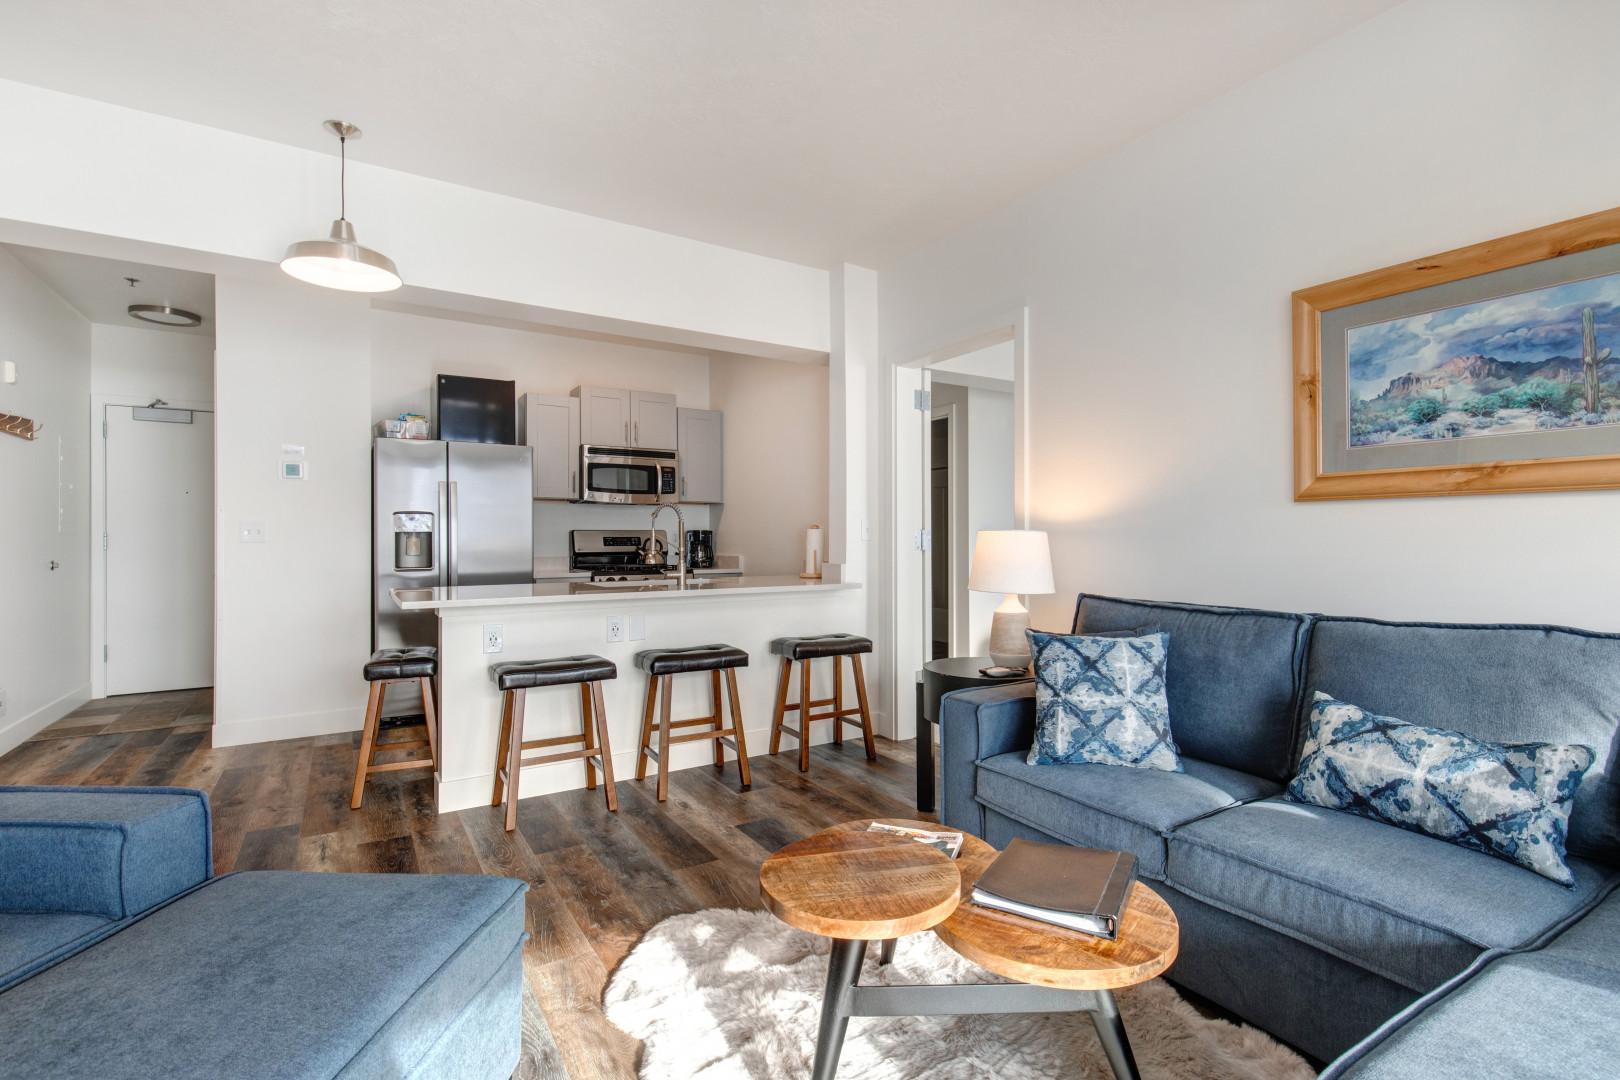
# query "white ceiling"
(812, 130)
(97, 289)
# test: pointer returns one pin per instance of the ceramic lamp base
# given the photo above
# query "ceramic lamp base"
(1008, 645)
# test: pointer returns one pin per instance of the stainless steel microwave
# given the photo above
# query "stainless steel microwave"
(619, 474)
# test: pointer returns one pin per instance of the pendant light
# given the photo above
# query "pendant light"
(338, 262)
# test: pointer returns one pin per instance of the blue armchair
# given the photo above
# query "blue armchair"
(121, 956)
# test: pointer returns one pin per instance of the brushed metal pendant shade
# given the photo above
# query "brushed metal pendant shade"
(338, 261)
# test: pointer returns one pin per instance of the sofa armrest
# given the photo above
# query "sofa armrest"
(106, 851)
(974, 725)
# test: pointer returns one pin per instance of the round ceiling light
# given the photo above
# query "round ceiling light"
(338, 261)
(164, 315)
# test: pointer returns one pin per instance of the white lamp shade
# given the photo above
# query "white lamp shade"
(1011, 561)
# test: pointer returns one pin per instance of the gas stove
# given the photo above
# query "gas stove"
(615, 556)
(627, 573)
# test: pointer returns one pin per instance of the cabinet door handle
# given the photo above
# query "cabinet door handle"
(627, 431)
(637, 439)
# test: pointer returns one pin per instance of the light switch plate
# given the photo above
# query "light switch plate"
(637, 629)
(251, 532)
(8, 372)
(494, 637)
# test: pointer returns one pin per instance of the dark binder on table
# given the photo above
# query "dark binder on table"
(1078, 888)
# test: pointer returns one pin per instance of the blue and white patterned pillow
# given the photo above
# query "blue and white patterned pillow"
(1100, 700)
(1511, 800)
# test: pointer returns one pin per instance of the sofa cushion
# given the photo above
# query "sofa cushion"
(1571, 987)
(1508, 800)
(31, 940)
(110, 852)
(271, 974)
(1408, 907)
(1232, 678)
(1100, 700)
(1114, 807)
(1503, 684)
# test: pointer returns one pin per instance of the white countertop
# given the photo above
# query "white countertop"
(573, 592)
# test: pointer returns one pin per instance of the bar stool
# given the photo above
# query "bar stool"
(804, 650)
(661, 666)
(514, 680)
(390, 666)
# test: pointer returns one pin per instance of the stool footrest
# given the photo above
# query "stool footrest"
(395, 766)
(694, 721)
(848, 716)
(698, 736)
(794, 706)
(556, 740)
(397, 744)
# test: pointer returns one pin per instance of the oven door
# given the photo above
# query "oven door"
(624, 477)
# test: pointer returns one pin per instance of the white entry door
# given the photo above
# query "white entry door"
(159, 549)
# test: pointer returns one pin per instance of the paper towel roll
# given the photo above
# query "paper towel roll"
(812, 552)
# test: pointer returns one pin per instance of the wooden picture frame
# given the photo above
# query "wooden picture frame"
(1312, 481)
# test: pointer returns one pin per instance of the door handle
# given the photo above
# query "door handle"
(627, 432)
(573, 484)
(450, 536)
(683, 487)
(637, 439)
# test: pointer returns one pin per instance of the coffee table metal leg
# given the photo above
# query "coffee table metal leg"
(843, 969)
(1111, 1033)
(886, 951)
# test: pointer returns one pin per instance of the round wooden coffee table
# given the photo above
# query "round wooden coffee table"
(856, 886)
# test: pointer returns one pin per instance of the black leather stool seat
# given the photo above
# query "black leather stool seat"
(813, 648)
(697, 658)
(557, 671)
(420, 662)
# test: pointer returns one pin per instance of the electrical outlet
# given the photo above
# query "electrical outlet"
(615, 628)
(637, 630)
(494, 637)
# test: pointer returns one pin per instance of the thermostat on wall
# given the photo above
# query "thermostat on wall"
(292, 470)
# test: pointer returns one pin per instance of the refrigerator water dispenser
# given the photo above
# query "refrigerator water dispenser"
(413, 541)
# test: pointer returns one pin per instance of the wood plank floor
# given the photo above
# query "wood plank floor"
(597, 881)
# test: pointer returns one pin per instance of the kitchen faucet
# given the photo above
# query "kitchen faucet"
(680, 538)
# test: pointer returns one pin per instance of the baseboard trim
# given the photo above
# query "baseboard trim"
(288, 726)
(24, 728)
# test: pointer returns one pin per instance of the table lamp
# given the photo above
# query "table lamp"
(1011, 561)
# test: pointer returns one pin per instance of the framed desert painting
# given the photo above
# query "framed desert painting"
(1493, 368)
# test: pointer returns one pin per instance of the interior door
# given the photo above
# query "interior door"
(159, 549)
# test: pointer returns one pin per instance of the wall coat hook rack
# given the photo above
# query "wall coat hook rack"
(20, 426)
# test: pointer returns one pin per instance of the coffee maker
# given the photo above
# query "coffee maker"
(700, 549)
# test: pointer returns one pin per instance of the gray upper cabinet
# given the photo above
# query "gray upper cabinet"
(701, 443)
(550, 427)
(610, 416)
(604, 415)
(652, 420)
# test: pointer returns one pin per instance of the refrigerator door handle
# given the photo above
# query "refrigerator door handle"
(441, 537)
(454, 524)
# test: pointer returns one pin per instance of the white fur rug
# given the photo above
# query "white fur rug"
(723, 994)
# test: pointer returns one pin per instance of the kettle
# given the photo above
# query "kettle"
(652, 552)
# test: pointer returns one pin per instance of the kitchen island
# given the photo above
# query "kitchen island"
(561, 618)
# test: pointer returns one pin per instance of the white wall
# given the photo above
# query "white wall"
(136, 362)
(45, 631)
(293, 614)
(151, 178)
(1158, 283)
(775, 459)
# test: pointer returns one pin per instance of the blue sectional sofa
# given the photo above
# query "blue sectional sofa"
(122, 956)
(1324, 928)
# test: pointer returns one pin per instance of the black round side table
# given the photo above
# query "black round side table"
(939, 678)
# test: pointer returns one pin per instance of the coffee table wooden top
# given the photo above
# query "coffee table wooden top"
(1035, 952)
(845, 882)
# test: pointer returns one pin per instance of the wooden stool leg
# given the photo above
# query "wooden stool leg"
(368, 736)
(866, 711)
(717, 709)
(500, 746)
(587, 731)
(514, 758)
(838, 700)
(804, 715)
(663, 737)
(646, 728)
(737, 726)
(607, 749)
(782, 681)
(432, 720)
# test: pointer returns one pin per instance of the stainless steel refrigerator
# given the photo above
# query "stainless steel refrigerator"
(445, 513)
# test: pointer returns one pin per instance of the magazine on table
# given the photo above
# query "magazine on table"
(948, 842)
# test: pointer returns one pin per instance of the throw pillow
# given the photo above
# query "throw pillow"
(1100, 700)
(1510, 800)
